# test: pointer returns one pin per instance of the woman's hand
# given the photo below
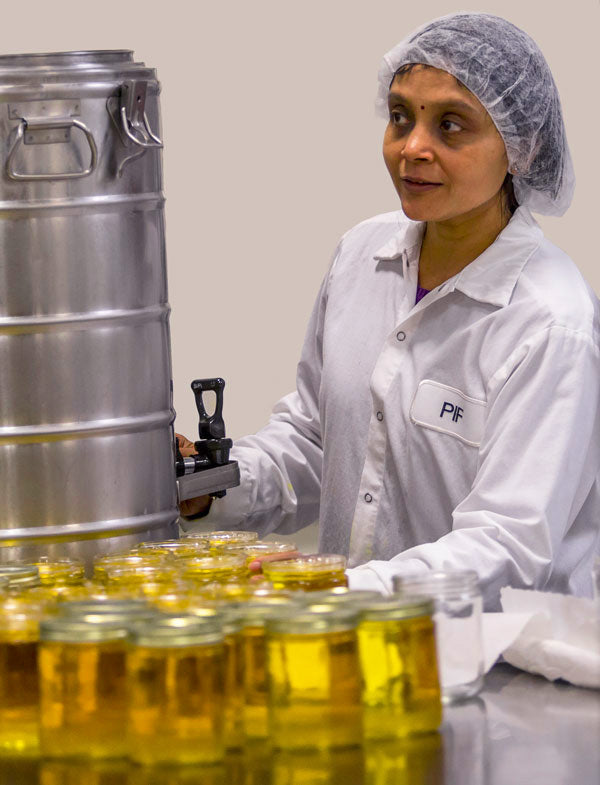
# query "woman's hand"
(201, 504)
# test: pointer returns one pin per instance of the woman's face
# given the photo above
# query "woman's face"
(440, 133)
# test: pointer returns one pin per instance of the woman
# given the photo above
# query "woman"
(447, 404)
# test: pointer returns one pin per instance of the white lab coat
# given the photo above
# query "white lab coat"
(463, 432)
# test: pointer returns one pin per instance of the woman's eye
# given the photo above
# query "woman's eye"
(398, 118)
(446, 123)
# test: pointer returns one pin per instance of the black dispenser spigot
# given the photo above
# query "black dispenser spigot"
(212, 447)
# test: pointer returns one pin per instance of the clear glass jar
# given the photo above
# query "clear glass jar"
(176, 548)
(83, 697)
(307, 573)
(20, 576)
(207, 569)
(314, 678)
(256, 698)
(60, 572)
(458, 609)
(251, 551)
(105, 564)
(401, 688)
(19, 693)
(176, 673)
(231, 538)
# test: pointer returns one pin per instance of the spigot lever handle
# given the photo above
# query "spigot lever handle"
(210, 426)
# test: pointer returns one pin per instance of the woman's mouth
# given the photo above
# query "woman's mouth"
(414, 186)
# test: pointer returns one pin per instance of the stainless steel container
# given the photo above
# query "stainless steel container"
(86, 441)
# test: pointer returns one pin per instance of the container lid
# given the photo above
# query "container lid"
(395, 607)
(177, 630)
(314, 619)
(91, 628)
(438, 583)
(311, 563)
(20, 576)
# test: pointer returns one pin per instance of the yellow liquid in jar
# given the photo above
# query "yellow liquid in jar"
(306, 580)
(61, 573)
(255, 714)
(83, 699)
(234, 690)
(83, 772)
(176, 711)
(19, 695)
(401, 692)
(315, 690)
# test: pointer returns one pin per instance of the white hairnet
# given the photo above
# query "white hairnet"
(504, 68)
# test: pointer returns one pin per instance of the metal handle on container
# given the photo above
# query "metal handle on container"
(51, 124)
(132, 113)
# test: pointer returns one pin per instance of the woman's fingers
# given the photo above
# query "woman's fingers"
(256, 564)
(186, 447)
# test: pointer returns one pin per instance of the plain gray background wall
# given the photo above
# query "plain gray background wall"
(273, 150)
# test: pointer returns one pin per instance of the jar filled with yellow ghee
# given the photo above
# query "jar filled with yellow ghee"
(141, 578)
(61, 592)
(307, 573)
(232, 625)
(20, 577)
(254, 550)
(256, 698)
(176, 673)
(177, 548)
(314, 678)
(401, 689)
(83, 688)
(209, 569)
(106, 563)
(19, 694)
(240, 537)
(60, 571)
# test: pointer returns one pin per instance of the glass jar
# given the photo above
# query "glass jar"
(256, 698)
(251, 551)
(104, 564)
(207, 569)
(232, 626)
(177, 685)
(20, 576)
(307, 573)
(131, 610)
(231, 538)
(414, 760)
(177, 548)
(314, 678)
(83, 699)
(19, 693)
(340, 595)
(60, 572)
(458, 608)
(401, 689)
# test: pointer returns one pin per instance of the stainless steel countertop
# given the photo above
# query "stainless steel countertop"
(521, 730)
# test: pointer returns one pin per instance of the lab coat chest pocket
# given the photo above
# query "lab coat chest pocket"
(448, 410)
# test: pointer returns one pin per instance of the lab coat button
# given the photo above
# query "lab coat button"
(380, 416)
(401, 335)
(368, 498)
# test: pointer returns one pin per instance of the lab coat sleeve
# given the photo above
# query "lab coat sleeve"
(281, 465)
(538, 459)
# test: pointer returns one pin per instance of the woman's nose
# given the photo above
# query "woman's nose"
(418, 144)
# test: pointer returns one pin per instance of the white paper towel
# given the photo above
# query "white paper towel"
(555, 635)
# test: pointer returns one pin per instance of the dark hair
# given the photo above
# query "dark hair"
(507, 189)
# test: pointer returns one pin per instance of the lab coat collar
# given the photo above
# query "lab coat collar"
(492, 276)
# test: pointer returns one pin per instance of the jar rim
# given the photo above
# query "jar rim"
(437, 582)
